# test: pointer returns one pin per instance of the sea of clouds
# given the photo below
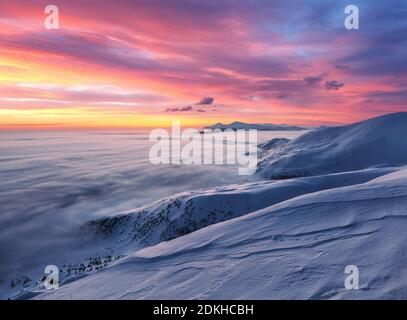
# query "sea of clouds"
(53, 182)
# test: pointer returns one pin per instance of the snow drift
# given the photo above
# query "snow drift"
(295, 249)
(184, 213)
(118, 236)
(377, 142)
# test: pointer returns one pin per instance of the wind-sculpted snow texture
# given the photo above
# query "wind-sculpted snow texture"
(112, 239)
(184, 213)
(295, 249)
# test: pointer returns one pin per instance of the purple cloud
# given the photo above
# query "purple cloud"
(205, 101)
(313, 81)
(183, 109)
(342, 67)
(333, 85)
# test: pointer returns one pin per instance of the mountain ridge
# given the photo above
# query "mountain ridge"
(237, 125)
(376, 142)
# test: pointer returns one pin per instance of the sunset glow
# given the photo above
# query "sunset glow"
(128, 64)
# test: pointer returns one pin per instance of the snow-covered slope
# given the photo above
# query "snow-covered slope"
(376, 142)
(118, 236)
(298, 248)
(187, 212)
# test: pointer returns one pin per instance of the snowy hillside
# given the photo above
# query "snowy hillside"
(295, 249)
(376, 142)
(113, 238)
(184, 213)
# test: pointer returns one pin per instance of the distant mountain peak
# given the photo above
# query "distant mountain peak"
(375, 142)
(237, 125)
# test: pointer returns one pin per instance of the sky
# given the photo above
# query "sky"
(144, 63)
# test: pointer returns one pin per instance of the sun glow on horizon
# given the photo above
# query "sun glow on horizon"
(136, 65)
